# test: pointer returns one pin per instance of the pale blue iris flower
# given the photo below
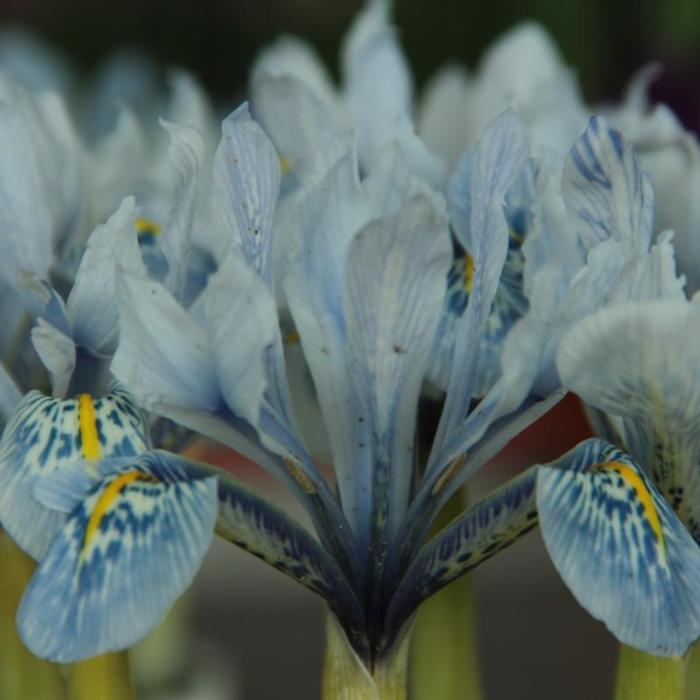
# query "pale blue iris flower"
(635, 364)
(365, 285)
(57, 449)
(355, 244)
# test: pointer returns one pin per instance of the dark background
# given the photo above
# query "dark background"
(604, 40)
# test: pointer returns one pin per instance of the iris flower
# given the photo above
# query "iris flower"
(357, 247)
(365, 286)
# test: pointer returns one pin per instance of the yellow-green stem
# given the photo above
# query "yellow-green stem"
(345, 677)
(692, 673)
(641, 676)
(104, 677)
(22, 675)
(444, 661)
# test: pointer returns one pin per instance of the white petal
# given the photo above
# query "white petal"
(162, 357)
(606, 192)
(92, 304)
(242, 321)
(394, 287)
(186, 152)
(57, 353)
(247, 181)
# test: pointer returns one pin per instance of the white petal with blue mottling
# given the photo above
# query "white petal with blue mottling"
(639, 362)
(623, 553)
(124, 556)
(47, 434)
(606, 191)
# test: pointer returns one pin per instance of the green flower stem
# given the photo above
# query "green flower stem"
(641, 676)
(692, 673)
(444, 657)
(22, 675)
(105, 677)
(345, 677)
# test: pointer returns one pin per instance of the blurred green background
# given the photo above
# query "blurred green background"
(604, 40)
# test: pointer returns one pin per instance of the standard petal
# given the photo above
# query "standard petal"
(377, 80)
(623, 552)
(242, 322)
(186, 152)
(10, 395)
(444, 114)
(25, 216)
(92, 305)
(125, 554)
(57, 353)
(297, 119)
(498, 157)
(330, 214)
(394, 288)
(247, 181)
(607, 193)
(163, 356)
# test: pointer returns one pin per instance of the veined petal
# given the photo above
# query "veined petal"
(652, 275)
(296, 58)
(125, 554)
(391, 183)
(189, 105)
(24, 213)
(10, 395)
(47, 434)
(298, 120)
(444, 114)
(607, 193)
(330, 215)
(247, 181)
(259, 527)
(186, 152)
(638, 361)
(92, 305)
(242, 322)
(485, 529)
(394, 287)
(57, 353)
(623, 552)
(378, 81)
(162, 355)
(498, 157)
(117, 162)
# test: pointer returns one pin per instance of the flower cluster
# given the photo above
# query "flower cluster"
(494, 246)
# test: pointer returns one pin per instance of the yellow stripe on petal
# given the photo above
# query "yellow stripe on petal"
(88, 427)
(633, 479)
(106, 501)
(147, 226)
(285, 165)
(468, 272)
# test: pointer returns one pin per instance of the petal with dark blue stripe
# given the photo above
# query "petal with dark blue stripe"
(127, 551)
(607, 193)
(46, 434)
(623, 552)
